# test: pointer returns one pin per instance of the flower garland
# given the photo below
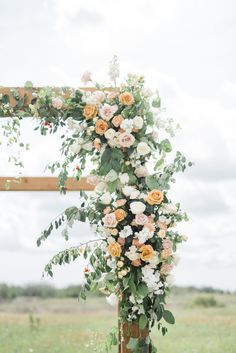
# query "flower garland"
(124, 135)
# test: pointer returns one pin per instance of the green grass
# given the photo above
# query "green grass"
(66, 326)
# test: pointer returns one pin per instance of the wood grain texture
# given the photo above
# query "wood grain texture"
(29, 92)
(43, 184)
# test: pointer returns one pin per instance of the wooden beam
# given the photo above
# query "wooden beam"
(29, 92)
(43, 184)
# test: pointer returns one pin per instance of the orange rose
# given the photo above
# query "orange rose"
(136, 263)
(155, 197)
(126, 98)
(114, 249)
(117, 120)
(90, 111)
(147, 252)
(120, 214)
(101, 126)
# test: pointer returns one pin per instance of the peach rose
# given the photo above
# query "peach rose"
(101, 126)
(126, 98)
(109, 220)
(90, 111)
(166, 253)
(141, 219)
(155, 197)
(161, 233)
(136, 243)
(147, 252)
(162, 225)
(97, 145)
(107, 210)
(125, 140)
(117, 120)
(114, 249)
(136, 263)
(120, 202)
(150, 227)
(120, 214)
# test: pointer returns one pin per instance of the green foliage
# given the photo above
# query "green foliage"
(168, 316)
(111, 159)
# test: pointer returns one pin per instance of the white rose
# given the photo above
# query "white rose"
(127, 125)
(127, 190)
(112, 299)
(75, 147)
(124, 178)
(141, 171)
(137, 207)
(110, 134)
(88, 146)
(134, 194)
(170, 280)
(143, 148)
(106, 198)
(138, 122)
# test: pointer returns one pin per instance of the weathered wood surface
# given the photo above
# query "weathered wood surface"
(43, 184)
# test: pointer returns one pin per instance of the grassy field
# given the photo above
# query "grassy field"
(66, 326)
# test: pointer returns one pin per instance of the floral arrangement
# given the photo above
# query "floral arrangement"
(123, 133)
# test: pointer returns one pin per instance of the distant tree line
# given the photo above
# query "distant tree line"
(8, 292)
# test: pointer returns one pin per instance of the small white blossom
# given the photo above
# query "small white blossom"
(112, 299)
(125, 232)
(132, 253)
(106, 198)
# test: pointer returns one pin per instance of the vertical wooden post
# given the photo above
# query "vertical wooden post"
(128, 330)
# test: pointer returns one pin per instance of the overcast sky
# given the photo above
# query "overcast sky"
(187, 50)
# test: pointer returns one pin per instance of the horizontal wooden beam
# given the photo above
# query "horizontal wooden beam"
(61, 91)
(42, 184)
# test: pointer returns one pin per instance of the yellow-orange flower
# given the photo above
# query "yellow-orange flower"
(117, 120)
(120, 214)
(126, 98)
(147, 252)
(114, 249)
(101, 126)
(90, 111)
(155, 197)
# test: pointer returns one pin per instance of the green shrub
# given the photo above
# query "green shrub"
(207, 302)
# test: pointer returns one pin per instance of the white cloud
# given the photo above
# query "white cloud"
(185, 49)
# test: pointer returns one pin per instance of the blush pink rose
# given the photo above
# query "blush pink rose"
(121, 241)
(167, 244)
(120, 202)
(110, 220)
(57, 103)
(107, 111)
(166, 269)
(141, 219)
(125, 140)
